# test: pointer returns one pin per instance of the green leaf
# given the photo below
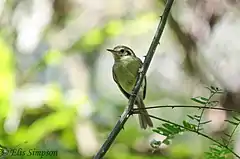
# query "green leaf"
(210, 89)
(156, 131)
(226, 134)
(164, 131)
(204, 99)
(191, 117)
(194, 117)
(231, 122)
(166, 141)
(197, 116)
(173, 128)
(205, 122)
(213, 88)
(198, 100)
(236, 118)
(189, 126)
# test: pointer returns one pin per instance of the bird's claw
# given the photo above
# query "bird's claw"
(140, 70)
(133, 95)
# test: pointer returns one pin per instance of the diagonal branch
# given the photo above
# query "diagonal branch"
(128, 111)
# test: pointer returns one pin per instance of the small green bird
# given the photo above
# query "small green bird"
(125, 71)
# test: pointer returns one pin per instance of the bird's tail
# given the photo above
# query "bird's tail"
(144, 119)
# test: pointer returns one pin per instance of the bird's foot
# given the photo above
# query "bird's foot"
(140, 70)
(133, 95)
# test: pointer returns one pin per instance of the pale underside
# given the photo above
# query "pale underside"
(126, 72)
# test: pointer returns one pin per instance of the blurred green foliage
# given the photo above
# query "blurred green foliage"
(7, 82)
(52, 125)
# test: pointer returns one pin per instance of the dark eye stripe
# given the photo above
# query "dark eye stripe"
(128, 52)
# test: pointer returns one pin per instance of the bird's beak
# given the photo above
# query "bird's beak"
(111, 50)
(114, 53)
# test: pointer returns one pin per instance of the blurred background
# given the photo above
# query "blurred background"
(56, 87)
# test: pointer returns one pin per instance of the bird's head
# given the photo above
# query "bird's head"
(121, 51)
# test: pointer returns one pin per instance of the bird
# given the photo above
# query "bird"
(125, 71)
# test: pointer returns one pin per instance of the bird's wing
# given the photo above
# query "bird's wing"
(123, 91)
(116, 80)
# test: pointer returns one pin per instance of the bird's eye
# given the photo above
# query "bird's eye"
(122, 50)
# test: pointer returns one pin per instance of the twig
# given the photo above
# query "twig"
(197, 132)
(128, 111)
(233, 132)
(136, 111)
(201, 115)
(187, 106)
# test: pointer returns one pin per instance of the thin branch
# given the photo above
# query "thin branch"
(136, 111)
(233, 132)
(187, 106)
(128, 111)
(197, 132)
(201, 115)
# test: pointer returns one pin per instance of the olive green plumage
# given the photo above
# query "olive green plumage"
(125, 71)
